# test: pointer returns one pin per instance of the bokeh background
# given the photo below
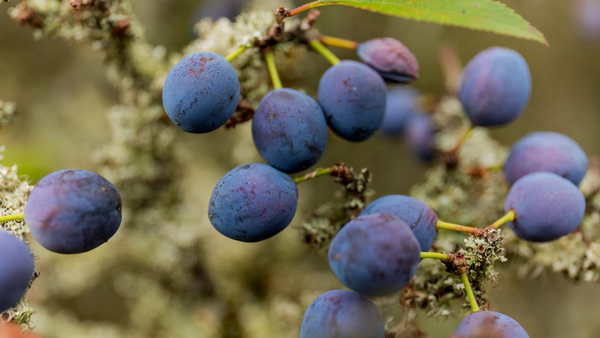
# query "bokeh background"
(63, 98)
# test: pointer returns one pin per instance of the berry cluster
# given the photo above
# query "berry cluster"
(377, 253)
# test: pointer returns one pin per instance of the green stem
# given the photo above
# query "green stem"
(236, 53)
(497, 167)
(509, 217)
(470, 294)
(464, 137)
(337, 42)
(319, 47)
(457, 227)
(273, 70)
(434, 255)
(13, 217)
(316, 173)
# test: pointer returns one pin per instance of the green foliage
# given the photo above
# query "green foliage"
(483, 15)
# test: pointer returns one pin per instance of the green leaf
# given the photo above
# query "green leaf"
(486, 15)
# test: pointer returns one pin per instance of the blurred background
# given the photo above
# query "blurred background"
(63, 98)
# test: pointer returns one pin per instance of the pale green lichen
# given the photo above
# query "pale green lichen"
(7, 112)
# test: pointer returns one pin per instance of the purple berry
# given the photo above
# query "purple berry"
(419, 217)
(587, 19)
(289, 130)
(420, 136)
(390, 58)
(216, 9)
(546, 205)
(375, 255)
(488, 324)
(16, 270)
(546, 151)
(342, 314)
(402, 103)
(201, 92)
(495, 87)
(73, 211)
(353, 97)
(253, 202)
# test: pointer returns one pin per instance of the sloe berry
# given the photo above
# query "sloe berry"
(402, 103)
(495, 87)
(489, 324)
(390, 58)
(73, 211)
(375, 255)
(289, 130)
(420, 136)
(16, 270)
(342, 314)
(201, 92)
(546, 205)
(253, 202)
(353, 97)
(419, 217)
(546, 151)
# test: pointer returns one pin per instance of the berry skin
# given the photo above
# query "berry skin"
(420, 136)
(289, 130)
(489, 324)
(419, 217)
(546, 151)
(546, 205)
(73, 211)
(390, 58)
(353, 97)
(16, 270)
(342, 314)
(495, 87)
(253, 202)
(375, 255)
(401, 105)
(201, 92)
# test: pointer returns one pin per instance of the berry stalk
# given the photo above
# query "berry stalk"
(434, 255)
(509, 217)
(273, 70)
(337, 42)
(236, 53)
(470, 294)
(456, 227)
(311, 175)
(13, 217)
(319, 47)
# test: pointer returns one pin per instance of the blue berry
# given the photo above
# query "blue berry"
(390, 58)
(16, 270)
(587, 19)
(546, 205)
(73, 211)
(546, 151)
(342, 314)
(201, 92)
(495, 87)
(216, 9)
(419, 217)
(253, 202)
(375, 255)
(489, 324)
(289, 130)
(420, 136)
(353, 97)
(402, 103)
